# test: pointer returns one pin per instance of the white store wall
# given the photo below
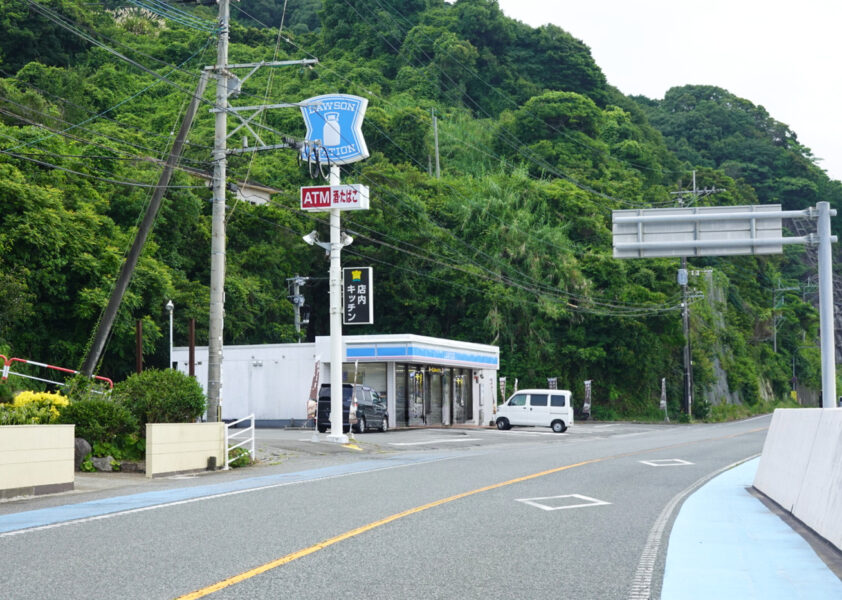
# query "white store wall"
(273, 380)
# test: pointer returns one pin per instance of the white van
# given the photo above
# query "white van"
(539, 408)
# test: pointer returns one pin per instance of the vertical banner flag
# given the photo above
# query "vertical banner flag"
(663, 405)
(313, 399)
(358, 296)
(552, 383)
(503, 388)
(587, 407)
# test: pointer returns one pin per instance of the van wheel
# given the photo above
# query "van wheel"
(559, 426)
(503, 424)
(322, 428)
(361, 425)
(384, 426)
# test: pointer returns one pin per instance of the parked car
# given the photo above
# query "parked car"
(362, 409)
(537, 408)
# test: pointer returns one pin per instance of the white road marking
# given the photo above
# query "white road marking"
(437, 441)
(666, 462)
(209, 497)
(588, 501)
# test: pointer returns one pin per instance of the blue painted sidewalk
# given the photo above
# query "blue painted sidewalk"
(726, 544)
(120, 504)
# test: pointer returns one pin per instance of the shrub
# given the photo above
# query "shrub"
(29, 414)
(53, 402)
(156, 396)
(99, 420)
(80, 387)
(241, 457)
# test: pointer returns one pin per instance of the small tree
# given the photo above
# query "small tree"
(161, 396)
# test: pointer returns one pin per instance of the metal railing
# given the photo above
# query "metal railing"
(7, 363)
(229, 436)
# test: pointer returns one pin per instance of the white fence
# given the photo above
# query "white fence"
(240, 433)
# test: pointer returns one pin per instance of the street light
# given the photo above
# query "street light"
(170, 306)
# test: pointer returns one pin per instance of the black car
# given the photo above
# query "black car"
(362, 409)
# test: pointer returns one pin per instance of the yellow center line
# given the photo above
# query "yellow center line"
(355, 532)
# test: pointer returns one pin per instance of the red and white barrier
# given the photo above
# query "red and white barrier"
(7, 364)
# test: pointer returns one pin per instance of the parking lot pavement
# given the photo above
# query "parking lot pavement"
(273, 446)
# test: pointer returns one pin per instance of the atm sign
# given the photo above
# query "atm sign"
(325, 197)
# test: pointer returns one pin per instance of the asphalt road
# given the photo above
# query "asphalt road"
(474, 513)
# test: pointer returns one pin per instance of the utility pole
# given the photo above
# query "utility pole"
(436, 139)
(224, 89)
(685, 306)
(110, 313)
(775, 305)
(217, 275)
(297, 301)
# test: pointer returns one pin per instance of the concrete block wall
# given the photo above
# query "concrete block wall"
(36, 459)
(801, 467)
(183, 447)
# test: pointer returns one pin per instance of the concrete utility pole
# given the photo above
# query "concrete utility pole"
(685, 306)
(228, 85)
(217, 276)
(776, 303)
(297, 300)
(436, 138)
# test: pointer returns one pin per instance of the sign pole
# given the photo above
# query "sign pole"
(336, 433)
(826, 307)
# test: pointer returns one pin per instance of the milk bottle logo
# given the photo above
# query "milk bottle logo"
(332, 134)
(334, 129)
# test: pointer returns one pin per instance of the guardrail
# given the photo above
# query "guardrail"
(7, 363)
(229, 436)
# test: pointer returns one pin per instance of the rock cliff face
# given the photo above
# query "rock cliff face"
(719, 392)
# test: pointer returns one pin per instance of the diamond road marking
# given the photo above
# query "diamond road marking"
(562, 502)
(666, 462)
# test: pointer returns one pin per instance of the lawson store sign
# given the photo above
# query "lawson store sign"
(334, 121)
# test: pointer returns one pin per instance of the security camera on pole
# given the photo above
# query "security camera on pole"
(334, 137)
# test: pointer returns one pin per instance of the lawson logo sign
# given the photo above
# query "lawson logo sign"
(334, 121)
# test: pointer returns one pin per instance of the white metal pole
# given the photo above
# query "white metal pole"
(171, 306)
(826, 307)
(336, 433)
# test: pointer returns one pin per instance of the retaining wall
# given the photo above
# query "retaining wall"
(801, 467)
(36, 459)
(183, 447)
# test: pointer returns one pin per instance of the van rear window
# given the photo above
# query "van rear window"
(324, 393)
(538, 400)
(557, 401)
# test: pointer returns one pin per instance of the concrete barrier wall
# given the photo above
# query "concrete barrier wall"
(801, 467)
(36, 459)
(182, 447)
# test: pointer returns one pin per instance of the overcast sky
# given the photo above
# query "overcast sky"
(783, 55)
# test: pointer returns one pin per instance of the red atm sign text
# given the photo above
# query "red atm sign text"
(325, 197)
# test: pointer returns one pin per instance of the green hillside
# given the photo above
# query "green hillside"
(510, 246)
